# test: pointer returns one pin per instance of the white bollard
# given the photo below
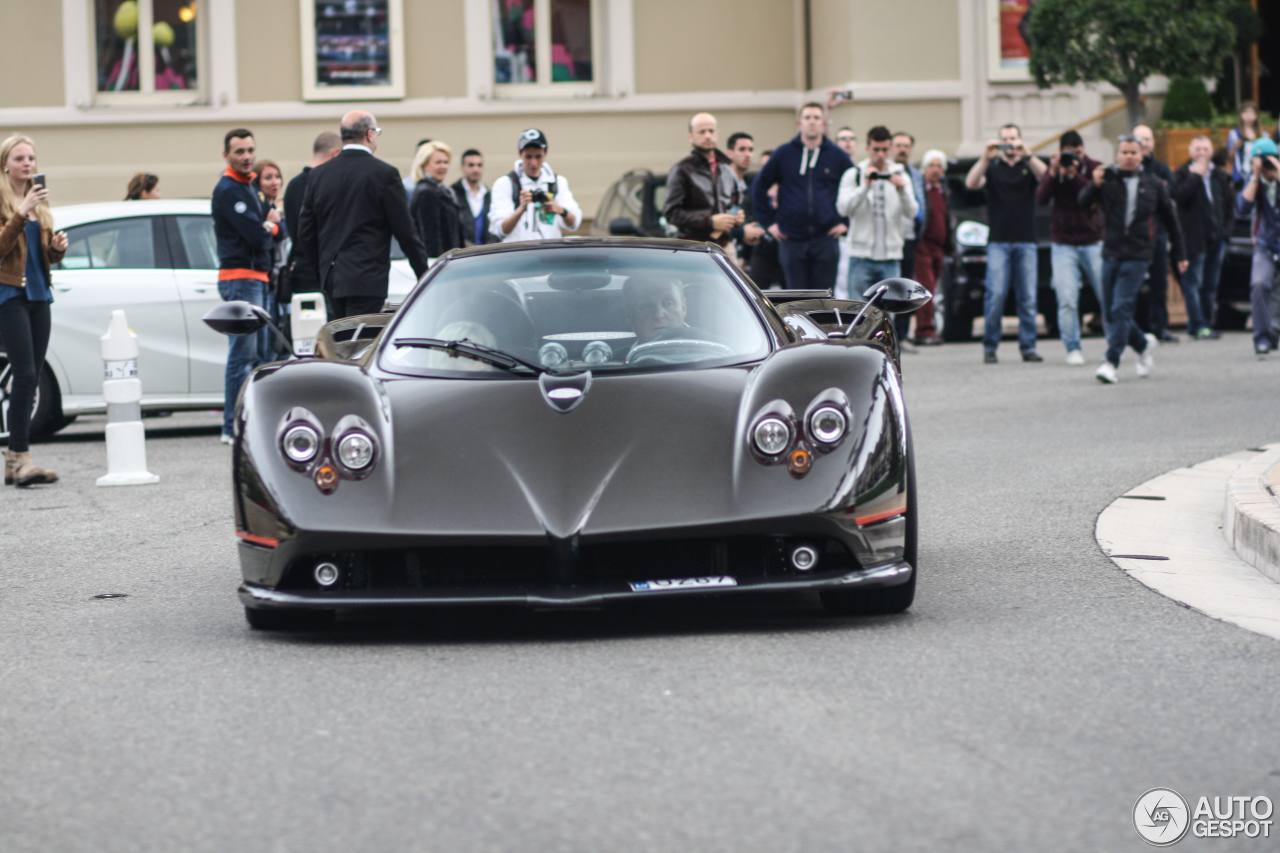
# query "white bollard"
(126, 439)
(307, 315)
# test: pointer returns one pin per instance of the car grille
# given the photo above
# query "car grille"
(532, 567)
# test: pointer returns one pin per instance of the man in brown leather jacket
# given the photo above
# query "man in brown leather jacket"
(704, 196)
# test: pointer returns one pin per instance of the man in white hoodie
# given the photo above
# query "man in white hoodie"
(532, 202)
(876, 195)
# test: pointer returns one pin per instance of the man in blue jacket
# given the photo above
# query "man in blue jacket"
(1262, 191)
(806, 225)
(246, 234)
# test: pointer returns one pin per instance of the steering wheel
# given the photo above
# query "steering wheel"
(669, 351)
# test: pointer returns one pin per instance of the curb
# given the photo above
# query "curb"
(1251, 518)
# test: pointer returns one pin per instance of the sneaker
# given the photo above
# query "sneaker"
(1032, 355)
(1075, 358)
(1146, 359)
(989, 358)
(1203, 334)
(226, 439)
(1166, 337)
(1261, 350)
(1107, 374)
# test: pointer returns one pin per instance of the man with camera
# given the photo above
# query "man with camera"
(1261, 192)
(1131, 201)
(1075, 236)
(1207, 214)
(1011, 176)
(532, 202)
(877, 195)
(704, 195)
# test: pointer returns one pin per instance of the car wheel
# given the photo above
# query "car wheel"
(287, 620)
(886, 599)
(46, 416)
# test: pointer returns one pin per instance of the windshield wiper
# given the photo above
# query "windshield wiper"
(471, 349)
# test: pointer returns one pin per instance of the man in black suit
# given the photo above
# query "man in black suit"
(353, 205)
(474, 199)
(303, 277)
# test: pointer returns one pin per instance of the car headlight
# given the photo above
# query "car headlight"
(974, 234)
(827, 425)
(355, 451)
(300, 443)
(772, 436)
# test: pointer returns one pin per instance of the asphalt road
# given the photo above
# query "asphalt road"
(1025, 702)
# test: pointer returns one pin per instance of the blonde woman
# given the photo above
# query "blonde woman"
(433, 205)
(28, 249)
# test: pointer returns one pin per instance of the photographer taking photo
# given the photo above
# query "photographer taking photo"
(532, 202)
(1261, 192)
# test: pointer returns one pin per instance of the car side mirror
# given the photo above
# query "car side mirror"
(623, 227)
(236, 318)
(899, 295)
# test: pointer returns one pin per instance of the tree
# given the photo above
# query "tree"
(1123, 42)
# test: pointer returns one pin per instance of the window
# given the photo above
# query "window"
(543, 42)
(352, 49)
(199, 242)
(148, 50)
(116, 245)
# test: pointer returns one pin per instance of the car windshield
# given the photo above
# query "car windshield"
(566, 309)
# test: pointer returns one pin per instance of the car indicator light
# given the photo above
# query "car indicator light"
(355, 451)
(772, 436)
(827, 426)
(800, 462)
(301, 443)
(326, 478)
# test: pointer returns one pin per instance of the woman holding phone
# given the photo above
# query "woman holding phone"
(28, 249)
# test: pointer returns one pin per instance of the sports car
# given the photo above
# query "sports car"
(570, 423)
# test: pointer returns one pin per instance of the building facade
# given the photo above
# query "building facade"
(108, 88)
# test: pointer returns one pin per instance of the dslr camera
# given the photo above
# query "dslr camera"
(1067, 159)
(541, 196)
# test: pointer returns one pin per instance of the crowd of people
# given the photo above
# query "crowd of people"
(810, 218)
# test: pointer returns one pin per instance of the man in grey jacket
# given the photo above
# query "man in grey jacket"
(877, 196)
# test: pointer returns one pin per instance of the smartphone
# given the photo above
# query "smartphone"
(846, 95)
(1005, 147)
(38, 180)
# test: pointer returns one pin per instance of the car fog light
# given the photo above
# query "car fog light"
(597, 352)
(301, 443)
(800, 462)
(771, 436)
(803, 558)
(827, 425)
(355, 451)
(326, 574)
(553, 355)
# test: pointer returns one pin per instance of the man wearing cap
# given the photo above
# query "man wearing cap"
(532, 202)
(1075, 237)
(1261, 191)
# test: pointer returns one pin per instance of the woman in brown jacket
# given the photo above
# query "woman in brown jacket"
(28, 249)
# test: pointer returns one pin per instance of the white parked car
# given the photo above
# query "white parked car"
(158, 261)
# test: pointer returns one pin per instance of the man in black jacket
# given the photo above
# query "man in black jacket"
(353, 205)
(302, 277)
(1157, 319)
(1207, 213)
(1131, 200)
(474, 200)
(704, 197)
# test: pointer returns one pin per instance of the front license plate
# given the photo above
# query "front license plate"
(682, 583)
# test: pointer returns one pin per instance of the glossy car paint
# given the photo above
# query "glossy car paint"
(663, 455)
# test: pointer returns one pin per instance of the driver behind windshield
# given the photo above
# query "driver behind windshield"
(655, 307)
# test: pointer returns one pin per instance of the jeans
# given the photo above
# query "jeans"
(809, 264)
(24, 329)
(1193, 282)
(1209, 281)
(244, 352)
(1261, 285)
(1005, 261)
(1121, 281)
(864, 272)
(1158, 286)
(1069, 264)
